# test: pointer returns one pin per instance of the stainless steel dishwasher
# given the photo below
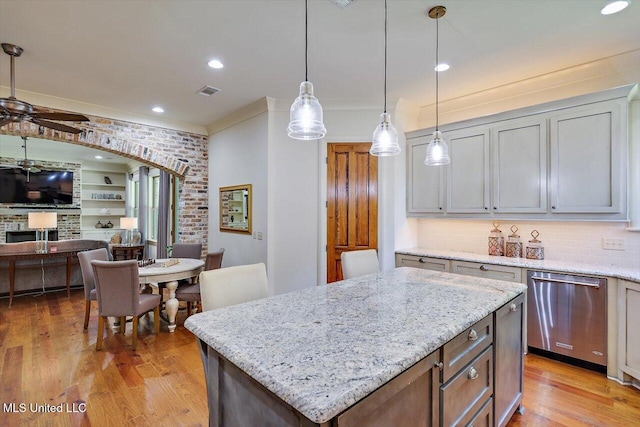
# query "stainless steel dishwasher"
(568, 315)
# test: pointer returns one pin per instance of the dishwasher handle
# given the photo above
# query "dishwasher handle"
(570, 282)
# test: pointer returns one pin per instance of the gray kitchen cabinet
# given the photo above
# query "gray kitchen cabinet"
(509, 359)
(468, 174)
(426, 263)
(489, 271)
(587, 167)
(519, 172)
(628, 321)
(425, 183)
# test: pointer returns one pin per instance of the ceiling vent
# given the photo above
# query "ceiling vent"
(342, 3)
(208, 90)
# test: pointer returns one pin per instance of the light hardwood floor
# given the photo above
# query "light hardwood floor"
(47, 358)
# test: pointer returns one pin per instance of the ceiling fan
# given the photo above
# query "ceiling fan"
(12, 110)
(25, 164)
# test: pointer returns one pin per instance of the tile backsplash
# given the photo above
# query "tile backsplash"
(562, 241)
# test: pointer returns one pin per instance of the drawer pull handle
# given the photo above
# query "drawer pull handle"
(473, 335)
(421, 260)
(513, 307)
(473, 373)
(483, 268)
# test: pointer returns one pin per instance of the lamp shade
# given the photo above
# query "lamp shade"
(385, 138)
(42, 220)
(306, 115)
(437, 151)
(129, 223)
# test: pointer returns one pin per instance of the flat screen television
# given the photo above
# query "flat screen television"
(51, 187)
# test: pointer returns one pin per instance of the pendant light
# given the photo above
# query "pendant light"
(437, 150)
(385, 137)
(306, 112)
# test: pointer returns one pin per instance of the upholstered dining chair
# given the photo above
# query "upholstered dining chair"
(191, 293)
(186, 250)
(85, 259)
(232, 285)
(359, 263)
(118, 291)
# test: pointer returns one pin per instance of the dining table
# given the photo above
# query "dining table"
(168, 272)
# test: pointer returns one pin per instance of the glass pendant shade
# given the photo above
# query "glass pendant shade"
(385, 138)
(306, 115)
(437, 151)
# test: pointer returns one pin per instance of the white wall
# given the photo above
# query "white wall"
(238, 155)
(562, 241)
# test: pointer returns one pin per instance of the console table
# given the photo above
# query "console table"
(125, 252)
(69, 254)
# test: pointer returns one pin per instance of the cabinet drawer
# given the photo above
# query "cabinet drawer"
(467, 345)
(489, 271)
(484, 417)
(423, 262)
(468, 391)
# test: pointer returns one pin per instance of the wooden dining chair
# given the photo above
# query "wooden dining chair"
(88, 281)
(233, 285)
(118, 292)
(359, 263)
(191, 293)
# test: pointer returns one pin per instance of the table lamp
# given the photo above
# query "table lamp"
(42, 221)
(129, 223)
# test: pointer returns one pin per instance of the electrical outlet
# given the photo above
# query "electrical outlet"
(613, 244)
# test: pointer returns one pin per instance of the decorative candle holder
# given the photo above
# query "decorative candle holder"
(496, 241)
(514, 245)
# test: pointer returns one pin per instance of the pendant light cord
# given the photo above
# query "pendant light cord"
(306, 43)
(437, 72)
(385, 56)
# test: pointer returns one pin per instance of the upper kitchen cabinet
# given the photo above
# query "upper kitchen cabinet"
(564, 160)
(519, 173)
(468, 176)
(425, 183)
(588, 168)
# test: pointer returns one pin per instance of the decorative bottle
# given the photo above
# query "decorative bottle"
(534, 247)
(514, 244)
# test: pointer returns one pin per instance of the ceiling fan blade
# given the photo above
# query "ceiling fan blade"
(61, 116)
(56, 126)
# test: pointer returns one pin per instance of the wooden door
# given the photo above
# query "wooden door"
(352, 203)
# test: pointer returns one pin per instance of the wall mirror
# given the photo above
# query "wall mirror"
(235, 209)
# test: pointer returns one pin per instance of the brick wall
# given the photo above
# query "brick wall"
(182, 154)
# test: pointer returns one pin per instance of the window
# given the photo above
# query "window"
(153, 207)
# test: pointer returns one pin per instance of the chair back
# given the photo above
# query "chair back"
(117, 286)
(85, 259)
(232, 285)
(214, 260)
(359, 263)
(187, 250)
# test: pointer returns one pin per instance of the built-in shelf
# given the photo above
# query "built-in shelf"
(93, 186)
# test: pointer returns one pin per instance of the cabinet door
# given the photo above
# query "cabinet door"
(469, 170)
(588, 174)
(628, 321)
(410, 399)
(425, 184)
(509, 359)
(519, 171)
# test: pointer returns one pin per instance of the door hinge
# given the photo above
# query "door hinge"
(326, 160)
(326, 248)
(326, 204)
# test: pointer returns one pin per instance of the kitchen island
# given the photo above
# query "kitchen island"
(404, 341)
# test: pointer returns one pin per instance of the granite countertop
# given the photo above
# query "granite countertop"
(548, 265)
(322, 349)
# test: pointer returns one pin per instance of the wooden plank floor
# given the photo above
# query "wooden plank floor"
(47, 358)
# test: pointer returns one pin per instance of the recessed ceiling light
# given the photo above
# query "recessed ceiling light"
(98, 157)
(157, 110)
(442, 67)
(214, 63)
(614, 7)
